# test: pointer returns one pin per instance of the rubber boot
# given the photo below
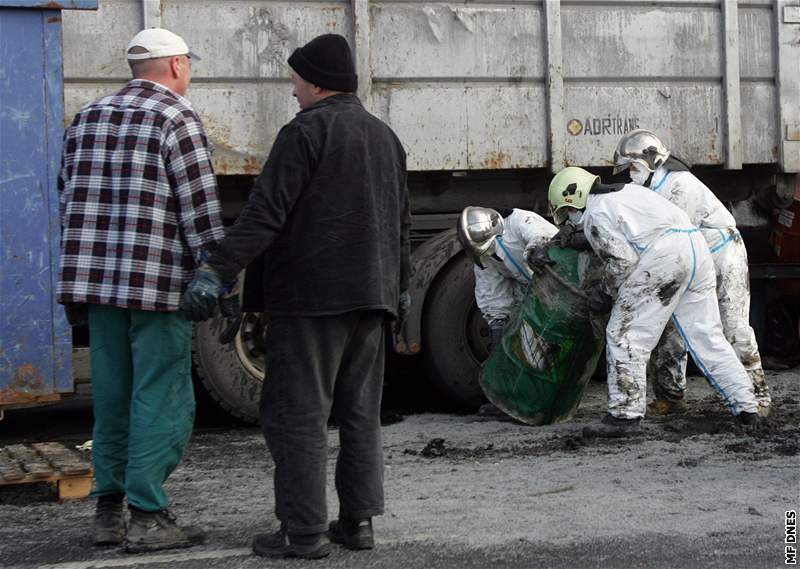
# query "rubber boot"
(613, 427)
(750, 422)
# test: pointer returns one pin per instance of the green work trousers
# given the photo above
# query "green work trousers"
(143, 401)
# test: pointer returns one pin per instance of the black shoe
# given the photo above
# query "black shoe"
(109, 524)
(612, 427)
(353, 534)
(750, 422)
(153, 531)
(281, 544)
(490, 410)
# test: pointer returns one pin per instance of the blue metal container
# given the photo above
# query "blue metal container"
(35, 339)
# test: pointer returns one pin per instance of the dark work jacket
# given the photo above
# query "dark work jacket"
(330, 212)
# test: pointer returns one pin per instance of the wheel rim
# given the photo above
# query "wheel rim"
(249, 344)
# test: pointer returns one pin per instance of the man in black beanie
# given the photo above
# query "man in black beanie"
(326, 62)
(330, 212)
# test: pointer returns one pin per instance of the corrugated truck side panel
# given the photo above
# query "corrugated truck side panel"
(486, 86)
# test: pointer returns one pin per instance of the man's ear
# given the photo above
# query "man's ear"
(175, 65)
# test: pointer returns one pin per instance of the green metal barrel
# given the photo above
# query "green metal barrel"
(549, 352)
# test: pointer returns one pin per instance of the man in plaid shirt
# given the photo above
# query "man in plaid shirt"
(139, 209)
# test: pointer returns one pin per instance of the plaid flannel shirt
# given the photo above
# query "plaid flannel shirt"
(138, 200)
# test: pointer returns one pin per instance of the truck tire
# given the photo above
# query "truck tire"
(231, 374)
(455, 337)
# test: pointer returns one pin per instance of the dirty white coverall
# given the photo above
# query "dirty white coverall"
(718, 227)
(657, 266)
(502, 284)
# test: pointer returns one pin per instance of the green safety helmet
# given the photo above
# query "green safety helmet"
(570, 188)
(477, 230)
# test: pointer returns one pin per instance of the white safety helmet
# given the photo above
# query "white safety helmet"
(478, 229)
(640, 147)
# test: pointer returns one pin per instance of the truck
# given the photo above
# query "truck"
(489, 98)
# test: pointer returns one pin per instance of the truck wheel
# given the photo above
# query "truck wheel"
(232, 374)
(456, 338)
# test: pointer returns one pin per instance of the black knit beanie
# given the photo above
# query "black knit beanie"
(327, 62)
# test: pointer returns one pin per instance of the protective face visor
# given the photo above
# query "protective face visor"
(640, 147)
(477, 230)
(622, 163)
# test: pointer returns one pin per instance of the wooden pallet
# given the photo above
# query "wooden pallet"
(46, 462)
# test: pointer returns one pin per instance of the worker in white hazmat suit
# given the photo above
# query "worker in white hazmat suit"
(656, 267)
(652, 165)
(499, 247)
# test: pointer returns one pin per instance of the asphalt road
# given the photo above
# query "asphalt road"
(692, 492)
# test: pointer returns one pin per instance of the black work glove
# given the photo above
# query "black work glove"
(231, 309)
(403, 308)
(599, 302)
(497, 336)
(199, 300)
(537, 257)
(399, 324)
(77, 314)
(572, 237)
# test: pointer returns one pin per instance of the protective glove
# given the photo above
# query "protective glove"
(537, 257)
(496, 329)
(571, 236)
(599, 302)
(231, 310)
(77, 314)
(399, 323)
(403, 307)
(199, 300)
(497, 336)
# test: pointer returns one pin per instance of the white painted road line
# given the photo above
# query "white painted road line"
(134, 560)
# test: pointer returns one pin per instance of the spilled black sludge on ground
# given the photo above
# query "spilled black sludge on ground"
(693, 490)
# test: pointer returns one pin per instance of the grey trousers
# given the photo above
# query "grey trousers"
(318, 367)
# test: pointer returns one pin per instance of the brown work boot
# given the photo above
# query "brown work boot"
(353, 534)
(667, 406)
(152, 531)
(109, 524)
(281, 544)
(613, 427)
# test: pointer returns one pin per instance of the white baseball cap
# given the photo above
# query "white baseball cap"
(159, 43)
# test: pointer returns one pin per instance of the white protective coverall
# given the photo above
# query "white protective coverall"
(657, 265)
(503, 283)
(718, 227)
